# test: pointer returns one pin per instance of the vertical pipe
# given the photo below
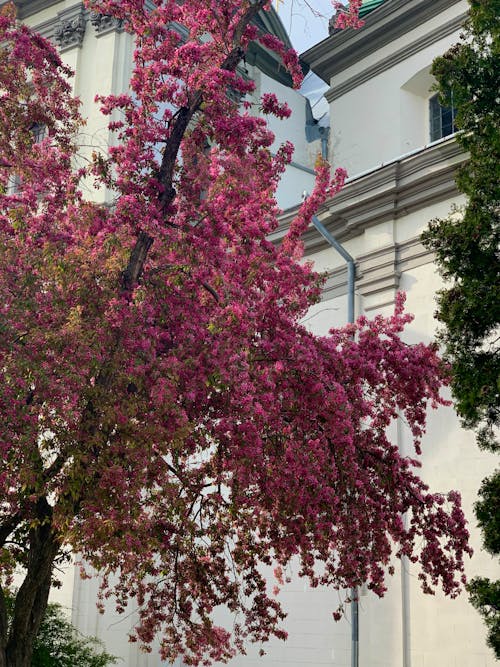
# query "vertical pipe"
(405, 576)
(350, 291)
(354, 628)
(351, 275)
(331, 240)
(405, 612)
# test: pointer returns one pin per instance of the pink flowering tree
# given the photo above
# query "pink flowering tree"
(164, 412)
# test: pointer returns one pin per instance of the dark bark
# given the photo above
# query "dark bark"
(136, 262)
(165, 173)
(32, 597)
(8, 526)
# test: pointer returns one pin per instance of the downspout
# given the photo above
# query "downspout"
(405, 575)
(332, 241)
(351, 274)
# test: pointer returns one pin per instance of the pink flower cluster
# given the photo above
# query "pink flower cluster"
(348, 18)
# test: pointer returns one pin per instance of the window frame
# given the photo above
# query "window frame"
(441, 118)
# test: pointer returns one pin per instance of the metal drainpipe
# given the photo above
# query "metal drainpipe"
(351, 274)
(405, 572)
(349, 261)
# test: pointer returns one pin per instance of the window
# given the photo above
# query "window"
(442, 118)
(38, 130)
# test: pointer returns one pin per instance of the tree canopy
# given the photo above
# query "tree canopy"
(466, 246)
(165, 413)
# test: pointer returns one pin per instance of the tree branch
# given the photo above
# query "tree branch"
(8, 526)
(135, 265)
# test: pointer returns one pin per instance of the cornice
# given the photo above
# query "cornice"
(402, 54)
(378, 274)
(67, 28)
(26, 8)
(392, 20)
(103, 23)
(395, 190)
(385, 193)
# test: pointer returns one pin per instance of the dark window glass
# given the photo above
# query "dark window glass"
(38, 131)
(441, 118)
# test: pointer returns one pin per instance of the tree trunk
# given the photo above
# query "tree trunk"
(3, 629)
(32, 597)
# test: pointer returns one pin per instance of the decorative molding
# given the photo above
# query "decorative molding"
(103, 23)
(69, 32)
(378, 272)
(67, 27)
(26, 8)
(386, 63)
(392, 20)
(412, 253)
(385, 193)
(47, 29)
(335, 284)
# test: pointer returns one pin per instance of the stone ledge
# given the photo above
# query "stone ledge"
(385, 193)
(386, 63)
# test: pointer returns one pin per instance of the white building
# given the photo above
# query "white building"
(400, 178)
(100, 52)
(398, 148)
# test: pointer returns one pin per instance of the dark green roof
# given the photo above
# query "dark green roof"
(368, 6)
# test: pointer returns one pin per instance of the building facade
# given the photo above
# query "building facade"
(398, 146)
(399, 150)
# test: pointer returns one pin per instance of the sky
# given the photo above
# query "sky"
(306, 22)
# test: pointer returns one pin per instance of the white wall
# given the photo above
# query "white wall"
(298, 176)
(387, 115)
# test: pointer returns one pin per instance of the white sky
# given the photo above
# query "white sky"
(306, 21)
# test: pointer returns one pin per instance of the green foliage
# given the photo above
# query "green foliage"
(467, 245)
(467, 250)
(58, 643)
(487, 512)
(485, 596)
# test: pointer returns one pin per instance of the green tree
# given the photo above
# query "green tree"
(59, 644)
(466, 246)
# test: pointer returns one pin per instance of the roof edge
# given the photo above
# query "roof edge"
(387, 22)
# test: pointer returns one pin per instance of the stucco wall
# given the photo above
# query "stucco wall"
(387, 115)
